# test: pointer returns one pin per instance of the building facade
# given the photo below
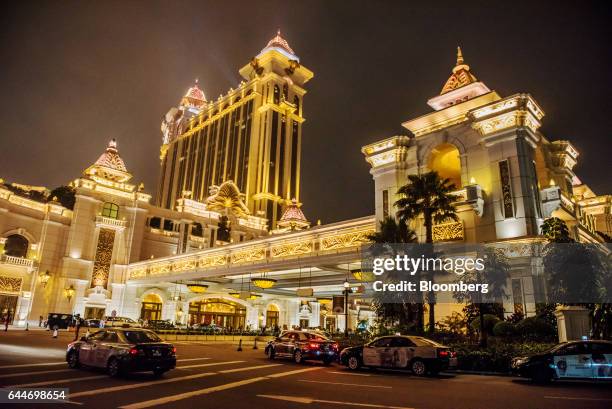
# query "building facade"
(251, 136)
(226, 244)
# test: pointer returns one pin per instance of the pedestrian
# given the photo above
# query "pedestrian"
(40, 320)
(55, 331)
(77, 327)
(8, 320)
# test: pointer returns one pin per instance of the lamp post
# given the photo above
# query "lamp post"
(346, 292)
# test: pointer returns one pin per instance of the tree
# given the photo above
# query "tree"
(429, 196)
(396, 308)
(66, 195)
(556, 231)
(495, 274)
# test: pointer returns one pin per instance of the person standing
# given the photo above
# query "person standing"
(77, 326)
(8, 320)
(40, 320)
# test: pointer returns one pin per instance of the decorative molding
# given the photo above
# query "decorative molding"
(291, 249)
(103, 258)
(448, 231)
(11, 285)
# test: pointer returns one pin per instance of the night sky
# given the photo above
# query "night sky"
(75, 74)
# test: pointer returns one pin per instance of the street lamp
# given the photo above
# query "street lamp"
(44, 278)
(346, 292)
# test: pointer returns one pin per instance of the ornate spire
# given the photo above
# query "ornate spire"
(194, 97)
(111, 159)
(278, 42)
(461, 75)
(293, 218)
(459, 56)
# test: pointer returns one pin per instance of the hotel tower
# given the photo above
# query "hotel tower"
(250, 136)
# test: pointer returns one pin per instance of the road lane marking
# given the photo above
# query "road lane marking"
(303, 399)
(139, 385)
(26, 365)
(350, 373)
(346, 384)
(576, 398)
(191, 359)
(10, 375)
(58, 381)
(231, 385)
(248, 368)
(211, 364)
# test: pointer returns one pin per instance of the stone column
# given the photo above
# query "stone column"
(573, 323)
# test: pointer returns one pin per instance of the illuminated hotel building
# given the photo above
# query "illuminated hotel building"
(251, 136)
(238, 157)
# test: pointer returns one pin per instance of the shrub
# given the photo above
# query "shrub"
(504, 329)
(489, 322)
(496, 357)
(535, 329)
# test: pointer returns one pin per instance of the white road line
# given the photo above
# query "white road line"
(211, 364)
(58, 381)
(139, 385)
(186, 395)
(248, 368)
(26, 365)
(346, 384)
(303, 399)
(576, 398)
(351, 373)
(10, 375)
(191, 359)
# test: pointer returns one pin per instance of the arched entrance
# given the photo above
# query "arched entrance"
(223, 313)
(16, 246)
(272, 316)
(151, 307)
(445, 160)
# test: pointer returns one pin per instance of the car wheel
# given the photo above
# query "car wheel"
(73, 360)
(353, 363)
(418, 367)
(158, 372)
(114, 368)
(297, 357)
(540, 375)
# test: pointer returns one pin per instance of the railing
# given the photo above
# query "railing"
(17, 261)
(102, 221)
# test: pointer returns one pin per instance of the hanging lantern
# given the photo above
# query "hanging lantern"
(234, 294)
(362, 275)
(253, 296)
(197, 288)
(263, 282)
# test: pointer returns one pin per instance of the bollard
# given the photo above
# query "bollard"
(239, 345)
(255, 344)
(55, 333)
(27, 326)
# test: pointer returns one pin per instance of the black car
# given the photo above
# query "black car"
(421, 355)
(122, 350)
(591, 360)
(301, 346)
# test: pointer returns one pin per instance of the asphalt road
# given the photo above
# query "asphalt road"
(217, 376)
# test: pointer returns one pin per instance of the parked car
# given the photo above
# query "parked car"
(570, 360)
(92, 323)
(301, 346)
(122, 350)
(160, 325)
(59, 320)
(420, 355)
(123, 322)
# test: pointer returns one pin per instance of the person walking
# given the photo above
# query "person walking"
(40, 320)
(8, 320)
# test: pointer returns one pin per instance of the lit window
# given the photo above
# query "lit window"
(110, 210)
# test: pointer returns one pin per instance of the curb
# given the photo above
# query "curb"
(483, 373)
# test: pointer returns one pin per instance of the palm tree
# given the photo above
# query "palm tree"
(430, 196)
(395, 308)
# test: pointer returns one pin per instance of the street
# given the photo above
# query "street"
(218, 376)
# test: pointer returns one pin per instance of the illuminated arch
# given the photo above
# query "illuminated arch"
(445, 159)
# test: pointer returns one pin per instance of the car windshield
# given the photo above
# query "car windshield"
(424, 342)
(138, 337)
(315, 337)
